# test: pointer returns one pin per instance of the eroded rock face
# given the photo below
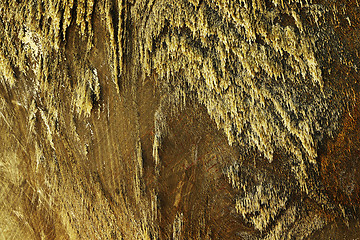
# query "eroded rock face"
(179, 119)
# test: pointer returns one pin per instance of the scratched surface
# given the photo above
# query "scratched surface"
(182, 119)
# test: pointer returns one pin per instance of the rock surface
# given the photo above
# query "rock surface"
(179, 119)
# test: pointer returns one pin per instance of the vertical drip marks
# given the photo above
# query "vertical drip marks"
(6, 71)
(121, 30)
(261, 199)
(87, 93)
(54, 18)
(160, 130)
(67, 5)
(170, 104)
(84, 12)
(253, 66)
(138, 172)
(267, 203)
(177, 226)
(80, 15)
(89, 13)
(51, 19)
(115, 13)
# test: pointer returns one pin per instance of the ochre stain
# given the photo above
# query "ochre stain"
(339, 164)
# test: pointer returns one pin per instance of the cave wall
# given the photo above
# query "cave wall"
(179, 119)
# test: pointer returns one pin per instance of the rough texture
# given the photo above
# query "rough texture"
(179, 119)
